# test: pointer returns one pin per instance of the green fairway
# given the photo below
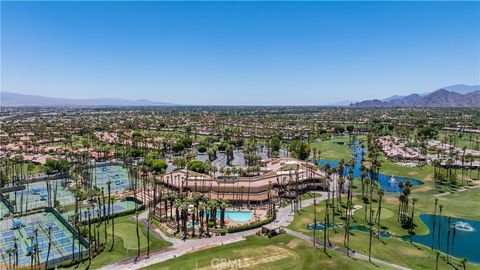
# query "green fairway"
(332, 151)
(125, 243)
(424, 173)
(462, 205)
(469, 140)
(258, 252)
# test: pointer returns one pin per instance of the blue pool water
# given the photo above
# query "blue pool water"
(319, 226)
(467, 236)
(388, 183)
(238, 216)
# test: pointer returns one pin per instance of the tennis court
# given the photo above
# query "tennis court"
(117, 208)
(30, 232)
(115, 174)
(36, 195)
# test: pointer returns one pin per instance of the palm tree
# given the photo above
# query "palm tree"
(184, 218)
(433, 222)
(223, 205)
(325, 228)
(370, 236)
(440, 207)
(314, 219)
(414, 200)
(463, 261)
(138, 234)
(49, 246)
(194, 211)
(379, 210)
(112, 201)
(177, 204)
(201, 207)
(448, 238)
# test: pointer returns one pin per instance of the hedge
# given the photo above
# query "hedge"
(250, 226)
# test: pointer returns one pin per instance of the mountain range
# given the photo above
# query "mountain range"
(458, 95)
(14, 99)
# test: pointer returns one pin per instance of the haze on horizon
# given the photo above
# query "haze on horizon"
(238, 53)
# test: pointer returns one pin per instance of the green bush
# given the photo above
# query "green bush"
(253, 225)
(196, 166)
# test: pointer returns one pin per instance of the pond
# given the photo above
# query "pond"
(389, 183)
(319, 226)
(464, 240)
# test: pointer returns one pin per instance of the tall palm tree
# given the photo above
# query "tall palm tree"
(223, 205)
(112, 201)
(448, 238)
(379, 210)
(370, 236)
(138, 234)
(440, 207)
(414, 200)
(177, 205)
(49, 246)
(433, 223)
(463, 261)
(314, 219)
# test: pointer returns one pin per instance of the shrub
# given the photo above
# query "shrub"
(196, 166)
(253, 225)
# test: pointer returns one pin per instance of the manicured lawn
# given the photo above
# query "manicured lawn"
(424, 173)
(332, 151)
(258, 252)
(461, 139)
(388, 217)
(125, 243)
(463, 205)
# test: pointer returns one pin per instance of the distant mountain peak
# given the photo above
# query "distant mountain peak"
(15, 99)
(450, 96)
(462, 88)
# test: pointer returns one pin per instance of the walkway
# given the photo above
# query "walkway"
(284, 218)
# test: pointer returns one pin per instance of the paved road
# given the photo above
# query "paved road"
(180, 247)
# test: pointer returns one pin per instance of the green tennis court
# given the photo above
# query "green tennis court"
(36, 195)
(29, 233)
(116, 175)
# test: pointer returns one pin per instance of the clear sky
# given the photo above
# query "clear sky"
(255, 53)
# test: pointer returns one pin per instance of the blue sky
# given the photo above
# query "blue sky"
(238, 53)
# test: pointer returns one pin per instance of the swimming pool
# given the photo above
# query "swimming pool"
(238, 216)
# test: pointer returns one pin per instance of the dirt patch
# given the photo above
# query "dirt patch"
(251, 258)
(429, 177)
(423, 188)
(294, 243)
(390, 199)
